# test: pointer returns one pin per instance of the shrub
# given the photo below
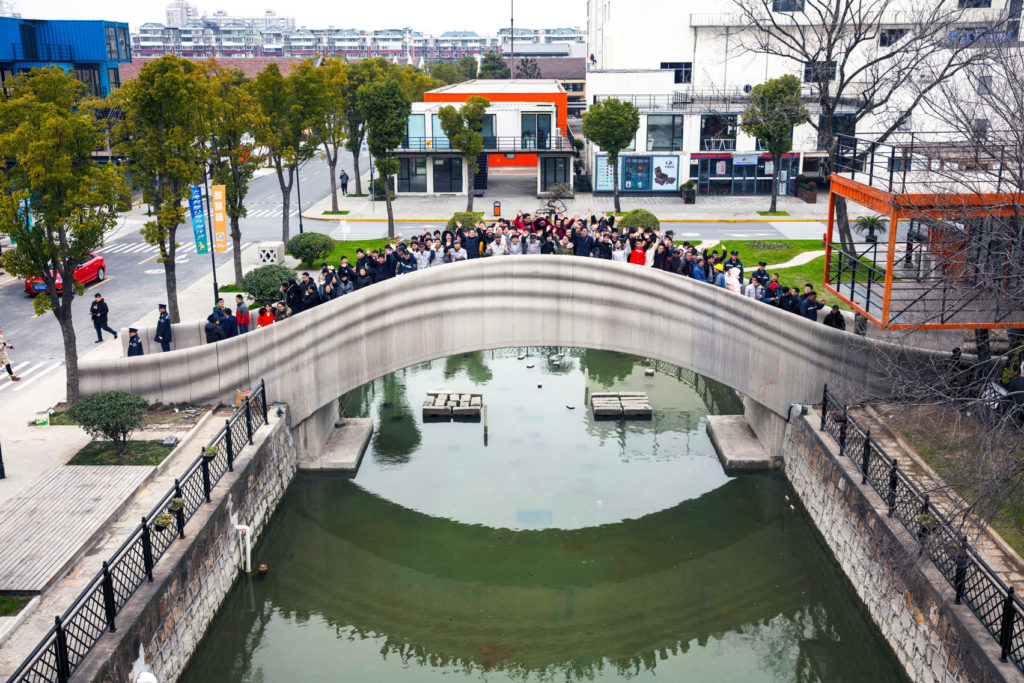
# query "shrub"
(378, 189)
(638, 218)
(466, 218)
(310, 247)
(112, 415)
(264, 283)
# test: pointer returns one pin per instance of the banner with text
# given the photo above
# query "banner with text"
(220, 224)
(195, 207)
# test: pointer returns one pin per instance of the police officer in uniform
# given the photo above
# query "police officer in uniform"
(163, 329)
(734, 262)
(134, 343)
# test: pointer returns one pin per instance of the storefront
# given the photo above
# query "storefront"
(638, 173)
(742, 174)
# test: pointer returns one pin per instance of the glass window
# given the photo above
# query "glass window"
(761, 146)
(554, 171)
(440, 140)
(124, 44)
(683, 71)
(664, 133)
(114, 78)
(536, 131)
(890, 36)
(788, 5)
(111, 42)
(819, 71)
(415, 132)
(89, 75)
(448, 174)
(718, 132)
(412, 174)
(971, 4)
(984, 85)
(5, 74)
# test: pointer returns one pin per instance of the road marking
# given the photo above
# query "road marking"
(39, 375)
(99, 283)
(25, 371)
(149, 259)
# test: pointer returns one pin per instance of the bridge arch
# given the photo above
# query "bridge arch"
(771, 357)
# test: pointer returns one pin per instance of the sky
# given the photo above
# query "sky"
(433, 16)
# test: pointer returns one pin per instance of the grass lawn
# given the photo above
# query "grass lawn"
(229, 288)
(12, 604)
(770, 251)
(335, 213)
(156, 413)
(773, 213)
(104, 453)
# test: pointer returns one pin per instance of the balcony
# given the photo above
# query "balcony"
(727, 101)
(42, 52)
(528, 144)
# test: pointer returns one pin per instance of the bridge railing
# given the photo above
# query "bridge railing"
(95, 610)
(975, 584)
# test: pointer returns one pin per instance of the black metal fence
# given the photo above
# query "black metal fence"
(95, 610)
(974, 582)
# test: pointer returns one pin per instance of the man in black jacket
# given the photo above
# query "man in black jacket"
(788, 302)
(163, 329)
(212, 329)
(98, 311)
(134, 343)
(835, 319)
(734, 262)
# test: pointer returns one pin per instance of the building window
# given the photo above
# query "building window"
(981, 128)
(761, 146)
(111, 42)
(90, 75)
(683, 71)
(819, 71)
(554, 171)
(890, 36)
(899, 164)
(907, 124)
(788, 5)
(984, 85)
(972, 4)
(412, 174)
(124, 45)
(664, 133)
(448, 174)
(718, 132)
(114, 78)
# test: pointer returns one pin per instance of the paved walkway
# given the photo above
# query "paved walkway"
(45, 526)
(1003, 560)
(798, 260)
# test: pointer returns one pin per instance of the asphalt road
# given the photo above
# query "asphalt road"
(134, 283)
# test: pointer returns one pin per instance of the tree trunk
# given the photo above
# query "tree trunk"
(470, 180)
(332, 164)
(355, 167)
(286, 198)
(391, 214)
(171, 276)
(843, 225)
(776, 161)
(236, 240)
(67, 330)
(615, 182)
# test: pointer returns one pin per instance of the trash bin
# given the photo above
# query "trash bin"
(497, 208)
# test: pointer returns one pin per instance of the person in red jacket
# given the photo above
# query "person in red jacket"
(266, 316)
(241, 314)
(638, 255)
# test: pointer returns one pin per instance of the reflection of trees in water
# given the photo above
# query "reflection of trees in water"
(474, 364)
(607, 367)
(396, 434)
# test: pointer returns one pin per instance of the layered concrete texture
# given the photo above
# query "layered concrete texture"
(737, 446)
(936, 640)
(772, 357)
(344, 448)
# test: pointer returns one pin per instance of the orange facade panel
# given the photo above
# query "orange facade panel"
(559, 99)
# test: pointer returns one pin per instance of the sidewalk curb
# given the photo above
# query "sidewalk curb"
(662, 220)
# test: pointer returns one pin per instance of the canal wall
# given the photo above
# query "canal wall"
(912, 605)
(162, 624)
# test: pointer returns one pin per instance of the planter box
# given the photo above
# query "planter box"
(807, 195)
(689, 196)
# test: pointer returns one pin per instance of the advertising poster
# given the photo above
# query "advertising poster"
(636, 174)
(195, 207)
(220, 224)
(665, 174)
(604, 175)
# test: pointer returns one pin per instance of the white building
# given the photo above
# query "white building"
(180, 13)
(689, 75)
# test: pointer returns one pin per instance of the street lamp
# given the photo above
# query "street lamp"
(298, 188)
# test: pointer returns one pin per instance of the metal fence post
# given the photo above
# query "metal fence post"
(231, 448)
(109, 606)
(147, 550)
(3, 472)
(824, 408)
(248, 419)
(865, 458)
(263, 399)
(1006, 627)
(179, 514)
(205, 466)
(61, 647)
(922, 532)
(893, 481)
(960, 570)
(842, 431)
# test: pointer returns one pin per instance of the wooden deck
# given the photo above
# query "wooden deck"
(45, 526)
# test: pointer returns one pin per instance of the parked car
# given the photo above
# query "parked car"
(95, 269)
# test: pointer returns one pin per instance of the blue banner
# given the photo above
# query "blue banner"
(195, 207)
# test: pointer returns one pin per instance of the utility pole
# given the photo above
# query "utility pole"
(207, 170)
(298, 188)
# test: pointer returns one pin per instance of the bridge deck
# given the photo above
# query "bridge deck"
(44, 527)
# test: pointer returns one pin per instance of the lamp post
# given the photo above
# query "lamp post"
(209, 231)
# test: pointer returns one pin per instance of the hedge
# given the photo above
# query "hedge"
(264, 283)
(638, 218)
(310, 247)
(467, 219)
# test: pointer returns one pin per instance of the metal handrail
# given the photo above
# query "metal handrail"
(94, 611)
(493, 143)
(974, 582)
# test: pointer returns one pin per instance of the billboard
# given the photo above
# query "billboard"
(195, 207)
(220, 224)
(665, 174)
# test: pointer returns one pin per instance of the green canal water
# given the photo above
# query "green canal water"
(559, 548)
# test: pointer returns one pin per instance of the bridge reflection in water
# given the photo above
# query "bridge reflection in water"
(410, 572)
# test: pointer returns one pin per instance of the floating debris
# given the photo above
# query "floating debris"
(649, 372)
(529, 366)
(570, 406)
(447, 404)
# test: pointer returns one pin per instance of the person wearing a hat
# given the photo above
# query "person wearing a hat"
(761, 276)
(134, 343)
(98, 312)
(163, 329)
(734, 262)
(835, 318)
(719, 276)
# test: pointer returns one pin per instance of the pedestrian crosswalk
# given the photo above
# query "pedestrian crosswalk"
(143, 249)
(273, 212)
(29, 373)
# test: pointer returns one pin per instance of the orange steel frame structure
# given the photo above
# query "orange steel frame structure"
(898, 207)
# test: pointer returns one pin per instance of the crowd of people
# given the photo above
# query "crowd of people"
(593, 238)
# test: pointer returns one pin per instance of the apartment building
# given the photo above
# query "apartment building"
(690, 75)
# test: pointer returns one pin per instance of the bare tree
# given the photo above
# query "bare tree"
(861, 58)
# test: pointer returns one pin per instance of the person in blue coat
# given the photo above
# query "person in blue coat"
(134, 343)
(163, 329)
(810, 306)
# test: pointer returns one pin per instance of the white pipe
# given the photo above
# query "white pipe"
(246, 533)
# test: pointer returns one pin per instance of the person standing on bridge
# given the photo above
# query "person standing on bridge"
(241, 314)
(5, 359)
(163, 329)
(99, 311)
(134, 343)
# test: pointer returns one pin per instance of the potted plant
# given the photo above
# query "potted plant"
(209, 453)
(927, 522)
(689, 190)
(162, 521)
(807, 191)
(870, 226)
(176, 504)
